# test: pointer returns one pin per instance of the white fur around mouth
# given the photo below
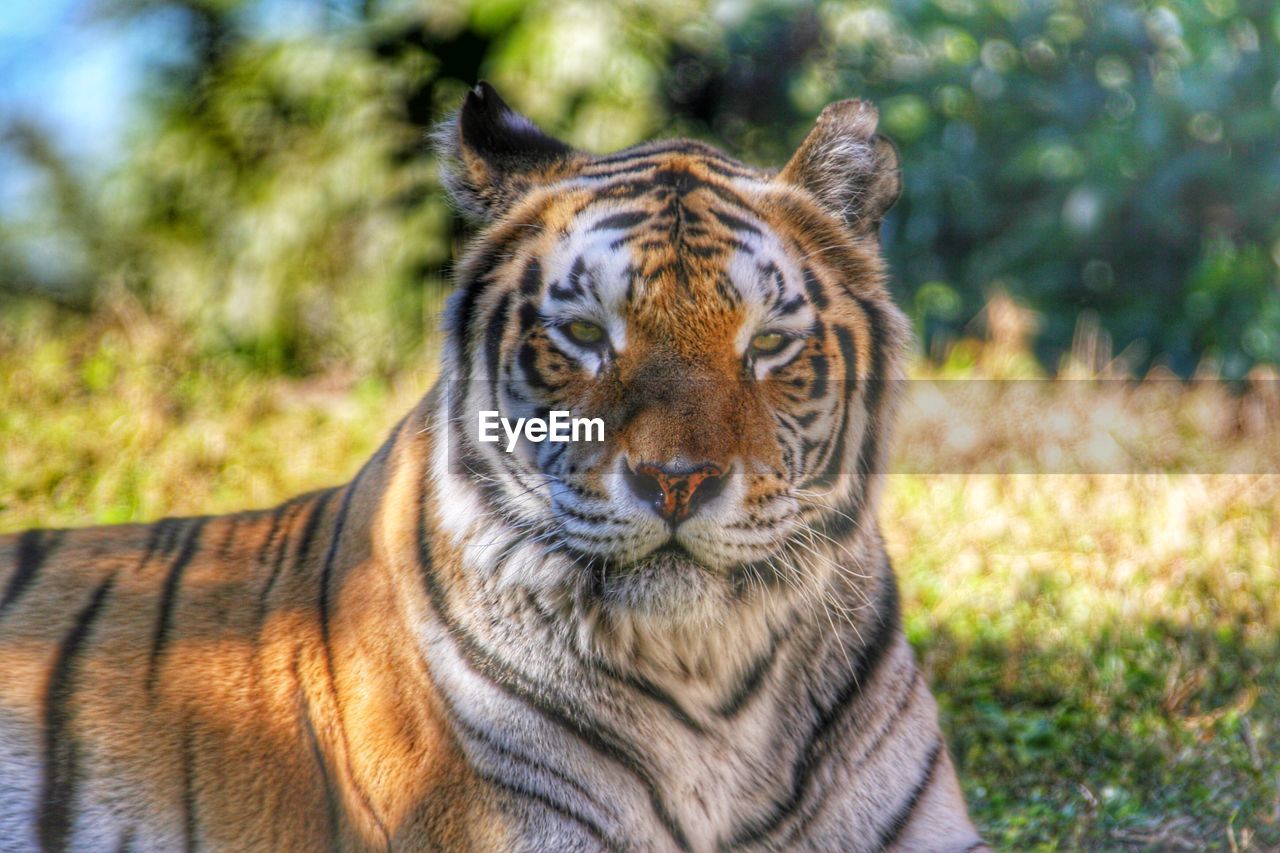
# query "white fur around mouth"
(671, 556)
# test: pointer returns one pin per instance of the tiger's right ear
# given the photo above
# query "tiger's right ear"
(490, 155)
(852, 171)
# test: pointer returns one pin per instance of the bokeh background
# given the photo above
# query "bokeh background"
(257, 169)
(223, 250)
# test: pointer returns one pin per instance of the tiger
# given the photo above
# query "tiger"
(684, 634)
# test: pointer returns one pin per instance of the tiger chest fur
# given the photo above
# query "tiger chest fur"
(680, 635)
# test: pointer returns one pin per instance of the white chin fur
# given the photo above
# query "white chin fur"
(663, 615)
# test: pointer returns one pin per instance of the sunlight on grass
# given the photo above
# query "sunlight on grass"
(1104, 647)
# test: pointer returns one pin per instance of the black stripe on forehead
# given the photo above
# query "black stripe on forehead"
(638, 168)
(769, 270)
(791, 306)
(654, 152)
(618, 221)
(673, 221)
(701, 250)
(684, 182)
(734, 223)
(727, 291)
(640, 152)
(656, 179)
(577, 283)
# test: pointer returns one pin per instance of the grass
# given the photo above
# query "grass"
(1104, 647)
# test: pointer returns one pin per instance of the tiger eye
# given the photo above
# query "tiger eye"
(587, 334)
(767, 343)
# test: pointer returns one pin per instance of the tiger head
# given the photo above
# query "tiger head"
(730, 328)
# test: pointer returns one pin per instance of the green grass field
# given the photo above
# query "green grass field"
(1105, 648)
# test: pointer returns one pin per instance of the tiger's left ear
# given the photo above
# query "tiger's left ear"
(490, 155)
(852, 171)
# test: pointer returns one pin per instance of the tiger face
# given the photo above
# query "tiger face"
(728, 326)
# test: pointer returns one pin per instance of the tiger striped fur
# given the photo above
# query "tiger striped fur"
(685, 637)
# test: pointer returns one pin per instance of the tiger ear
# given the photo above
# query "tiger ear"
(852, 171)
(490, 155)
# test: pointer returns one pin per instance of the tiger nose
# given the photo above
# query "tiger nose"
(675, 492)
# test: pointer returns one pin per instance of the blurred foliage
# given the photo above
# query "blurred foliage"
(1116, 159)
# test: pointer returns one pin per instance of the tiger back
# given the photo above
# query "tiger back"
(684, 635)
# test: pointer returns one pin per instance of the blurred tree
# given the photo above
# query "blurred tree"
(1116, 158)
